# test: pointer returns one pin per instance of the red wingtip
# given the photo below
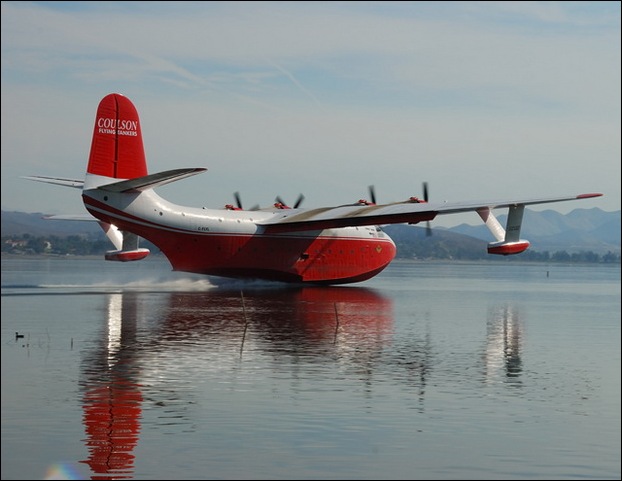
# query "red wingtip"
(587, 196)
(117, 147)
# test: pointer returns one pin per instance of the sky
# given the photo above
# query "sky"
(481, 100)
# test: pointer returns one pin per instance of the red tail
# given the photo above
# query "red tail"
(117, 148)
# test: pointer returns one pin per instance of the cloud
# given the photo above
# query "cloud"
(324, 98)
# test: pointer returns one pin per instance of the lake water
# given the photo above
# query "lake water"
(428, 371)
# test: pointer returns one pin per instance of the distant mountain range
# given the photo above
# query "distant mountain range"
(581, 230)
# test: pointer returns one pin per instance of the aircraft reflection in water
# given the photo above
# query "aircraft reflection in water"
(112, 393)
(349, 330)
(328, 322)
(503, 344)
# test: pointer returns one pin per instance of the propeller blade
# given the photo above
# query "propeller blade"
(299, 201)
(238, 200)
(372, 194)
(279, 200)
(428, 227)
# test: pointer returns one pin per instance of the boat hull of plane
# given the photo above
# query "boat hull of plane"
(321, 259)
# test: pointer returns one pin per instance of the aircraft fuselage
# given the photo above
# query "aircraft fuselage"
(229, 243)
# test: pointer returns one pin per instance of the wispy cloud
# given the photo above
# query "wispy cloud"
(322, 97)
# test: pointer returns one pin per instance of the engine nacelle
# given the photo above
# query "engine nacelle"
(508, 248)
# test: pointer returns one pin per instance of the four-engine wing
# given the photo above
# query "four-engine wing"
(395, 213)
(507, 242)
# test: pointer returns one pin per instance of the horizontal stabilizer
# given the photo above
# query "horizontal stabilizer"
(75, 217)
(152, 180)
(77, 184)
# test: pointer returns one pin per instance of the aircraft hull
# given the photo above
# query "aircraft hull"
(332, 256)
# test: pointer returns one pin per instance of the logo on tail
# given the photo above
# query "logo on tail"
(117, 148)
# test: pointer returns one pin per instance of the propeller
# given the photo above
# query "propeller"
(372, 194)
(372, 197)
(238, 200)
(426, 198)
(428, 228)
(238, 203)
(279, 200)
(299, 201)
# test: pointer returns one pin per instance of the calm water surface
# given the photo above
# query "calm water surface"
(428, 371)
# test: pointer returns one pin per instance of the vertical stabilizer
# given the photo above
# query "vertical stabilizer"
(117, 147)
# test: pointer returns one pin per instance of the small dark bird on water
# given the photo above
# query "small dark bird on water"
(18, 335)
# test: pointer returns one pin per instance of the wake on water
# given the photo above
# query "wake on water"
(147, 284)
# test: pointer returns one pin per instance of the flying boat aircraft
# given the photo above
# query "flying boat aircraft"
(328, 245)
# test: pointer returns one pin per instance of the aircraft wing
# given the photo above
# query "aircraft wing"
(395, 213)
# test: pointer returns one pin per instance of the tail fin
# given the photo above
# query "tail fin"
(117, 148)
(117, 151)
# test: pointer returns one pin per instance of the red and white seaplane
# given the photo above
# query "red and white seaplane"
(329, 245)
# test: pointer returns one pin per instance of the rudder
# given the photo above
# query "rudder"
(117, 147)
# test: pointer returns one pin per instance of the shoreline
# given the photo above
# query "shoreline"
(160, 256)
